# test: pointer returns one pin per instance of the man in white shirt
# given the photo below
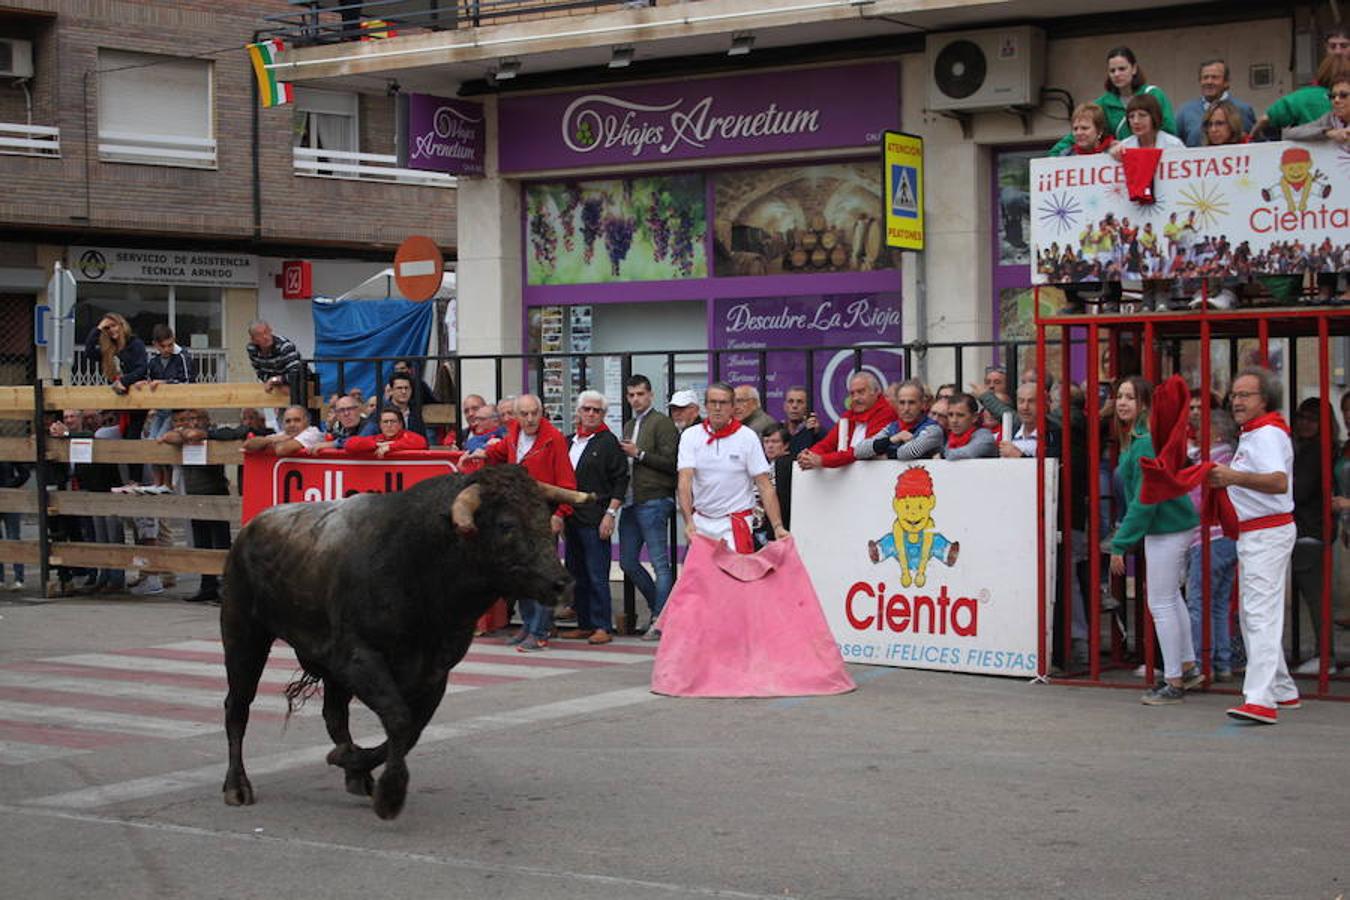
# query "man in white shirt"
(1260, 484)
(720, 464)
(296, 435)
(1024, 439)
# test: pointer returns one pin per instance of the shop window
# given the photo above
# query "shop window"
(155, 110)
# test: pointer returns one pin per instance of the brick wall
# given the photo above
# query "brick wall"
(217, 203)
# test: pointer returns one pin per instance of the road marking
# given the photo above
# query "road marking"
(123, 723)
(493, 868)
(14, 753)
(155, 785)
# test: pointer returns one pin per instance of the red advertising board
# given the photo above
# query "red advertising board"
(297, 280)
(333, 475)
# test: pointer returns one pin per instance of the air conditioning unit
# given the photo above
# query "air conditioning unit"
(989, 69)
(16, 58)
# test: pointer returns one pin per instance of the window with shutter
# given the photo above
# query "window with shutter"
(155, 110)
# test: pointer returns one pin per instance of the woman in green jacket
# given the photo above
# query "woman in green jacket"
(1166, 529)
(1124, 79)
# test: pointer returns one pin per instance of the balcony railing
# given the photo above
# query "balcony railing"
(353, 166)
(335, 21)
(211, 363)
(156, 149)
(29, 140)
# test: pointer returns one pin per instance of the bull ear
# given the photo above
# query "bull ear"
(462, 510)
(554, 494)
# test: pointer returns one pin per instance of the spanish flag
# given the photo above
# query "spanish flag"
(270, 91)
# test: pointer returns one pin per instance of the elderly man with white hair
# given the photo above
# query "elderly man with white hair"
(749, 412)
(867, 415)
(601, 468)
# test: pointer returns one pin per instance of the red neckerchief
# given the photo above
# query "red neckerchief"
(960, 440)
(1102, 146)
(730, 429)
(583, 433)
(1270, 418)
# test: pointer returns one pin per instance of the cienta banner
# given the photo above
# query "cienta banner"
(1238, 210)
(928, 565)
(269, 480)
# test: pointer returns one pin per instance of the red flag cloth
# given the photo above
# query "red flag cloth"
(1167, 475)
(1140, 165)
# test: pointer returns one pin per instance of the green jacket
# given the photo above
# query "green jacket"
(1116, 123)
(659, 443)
(1168, 517)
(1299, 108)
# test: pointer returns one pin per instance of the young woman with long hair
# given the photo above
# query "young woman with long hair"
(1166, 530)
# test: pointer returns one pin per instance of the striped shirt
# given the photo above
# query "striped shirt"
(281, 362)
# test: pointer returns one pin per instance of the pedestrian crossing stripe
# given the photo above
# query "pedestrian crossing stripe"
(60, 706)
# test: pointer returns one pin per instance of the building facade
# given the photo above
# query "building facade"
(135, 152)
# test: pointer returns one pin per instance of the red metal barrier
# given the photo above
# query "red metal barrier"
(334, 474)
(1149, 333)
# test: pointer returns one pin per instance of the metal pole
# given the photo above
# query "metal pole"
(1206, 648)
(1324, 389)
(40, 468)
(1092, 407)
(1068, 566)
(1042, 398)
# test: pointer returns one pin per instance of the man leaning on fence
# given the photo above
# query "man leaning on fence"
(275, 359)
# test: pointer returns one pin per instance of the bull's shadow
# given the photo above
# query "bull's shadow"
(378, 595)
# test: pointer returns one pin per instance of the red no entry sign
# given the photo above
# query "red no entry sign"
(417, 268)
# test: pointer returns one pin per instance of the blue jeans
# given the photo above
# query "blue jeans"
(1222, 571)
(536, 618)
(587, 557)
(648, 523)
(11, 523)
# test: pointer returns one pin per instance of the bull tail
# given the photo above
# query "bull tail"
(300, 690)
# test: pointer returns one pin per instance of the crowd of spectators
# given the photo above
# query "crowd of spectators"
(1179, 265)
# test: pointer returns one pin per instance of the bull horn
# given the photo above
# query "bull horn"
(466, 504)
(555, 494)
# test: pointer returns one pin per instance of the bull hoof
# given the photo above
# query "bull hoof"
(360, 784)
(390, 792)
(239, 795)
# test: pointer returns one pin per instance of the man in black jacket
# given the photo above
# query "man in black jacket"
(651, 441)
(1306, 562)
(192, 426)
(602, 469)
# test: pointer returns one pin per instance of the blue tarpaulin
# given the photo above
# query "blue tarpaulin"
(368, 328)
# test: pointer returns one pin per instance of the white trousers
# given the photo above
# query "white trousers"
(1263, 569)
(1165, 555)
(719, 529)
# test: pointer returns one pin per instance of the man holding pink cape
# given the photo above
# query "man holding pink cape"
(739, 623)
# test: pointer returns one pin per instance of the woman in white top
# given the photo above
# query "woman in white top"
(1145, 117)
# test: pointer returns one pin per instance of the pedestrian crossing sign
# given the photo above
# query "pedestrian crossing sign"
(902, 156)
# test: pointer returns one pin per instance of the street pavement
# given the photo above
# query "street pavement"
(560, 775)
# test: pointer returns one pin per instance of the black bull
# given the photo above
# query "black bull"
(378, 595)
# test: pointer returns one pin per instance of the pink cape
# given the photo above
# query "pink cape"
(746, 626)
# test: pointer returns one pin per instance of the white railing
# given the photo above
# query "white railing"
(211, 363)
(29, 140)
(156, 149)
(313, 163)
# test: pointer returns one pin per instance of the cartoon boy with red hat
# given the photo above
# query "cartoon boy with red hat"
(913, 530)
(1297, 179)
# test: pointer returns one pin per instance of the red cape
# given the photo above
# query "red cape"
(1167, 475)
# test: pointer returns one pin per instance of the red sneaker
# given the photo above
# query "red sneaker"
(1296, 703)
(1250, 712)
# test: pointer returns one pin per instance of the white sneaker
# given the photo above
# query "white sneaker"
(149, 585)
(1313, 667)
(16, 586)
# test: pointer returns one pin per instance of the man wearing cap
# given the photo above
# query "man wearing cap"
(720, 464)
(683, 408)
(651, 442)
(1260, 484)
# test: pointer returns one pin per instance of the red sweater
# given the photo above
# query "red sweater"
(406, 440)
(873, 420)
(547, 460)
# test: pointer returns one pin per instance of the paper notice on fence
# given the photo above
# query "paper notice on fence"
(81, 450)
(194, 454)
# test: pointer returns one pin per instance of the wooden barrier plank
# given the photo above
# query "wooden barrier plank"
(25, 552)
(127, 556)
(222, 452)
(438, 413)
(150, 506)
(18, 449)
(18, 500)
(231, 395)
(16, 402)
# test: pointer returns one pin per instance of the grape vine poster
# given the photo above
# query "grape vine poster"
(616, 230)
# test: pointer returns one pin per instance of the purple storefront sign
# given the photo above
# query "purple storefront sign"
(800, 110)
(445, 135)
(848, 320)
